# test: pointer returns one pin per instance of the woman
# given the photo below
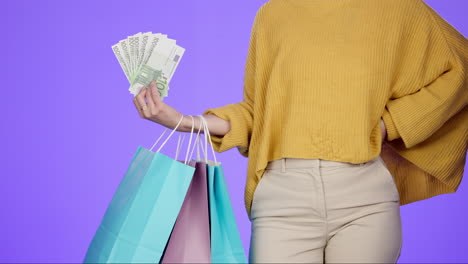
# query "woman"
(326, 82)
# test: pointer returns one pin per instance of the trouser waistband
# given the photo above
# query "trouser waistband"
(308, 163)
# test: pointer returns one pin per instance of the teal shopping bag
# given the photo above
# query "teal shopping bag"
(141, 215)
(226, 245)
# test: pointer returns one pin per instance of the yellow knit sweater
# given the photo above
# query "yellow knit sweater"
(320, 74)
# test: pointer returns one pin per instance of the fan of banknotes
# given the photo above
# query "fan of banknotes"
(145, 57)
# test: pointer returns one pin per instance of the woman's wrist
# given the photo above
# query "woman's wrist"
(187, 124)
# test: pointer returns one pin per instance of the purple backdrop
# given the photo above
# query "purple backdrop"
(70, 128)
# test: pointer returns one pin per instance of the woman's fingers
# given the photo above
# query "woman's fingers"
(135, 102)
(154, 101)
(383, 129)
(151, 106)
(155, 93)
(149, 98)
(137, 105)
(141, 104)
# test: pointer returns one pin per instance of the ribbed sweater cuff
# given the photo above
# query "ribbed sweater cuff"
(238, 133)
(392, 132)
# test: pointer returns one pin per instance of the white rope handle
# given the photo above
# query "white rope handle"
(179, 144)
(197, 142)
(168, 136)
(207, 131)
(199, 145)
(190, 141)
(175, 129)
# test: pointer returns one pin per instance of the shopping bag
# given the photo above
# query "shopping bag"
(226, 245)
(141, 215)
(190, 238)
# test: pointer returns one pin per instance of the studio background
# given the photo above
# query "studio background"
(70, 129)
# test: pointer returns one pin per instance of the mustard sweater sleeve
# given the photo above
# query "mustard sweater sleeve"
(239, 115)
(434, 63)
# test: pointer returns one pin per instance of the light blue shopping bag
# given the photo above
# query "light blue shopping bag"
(141, 215)
(226, 245)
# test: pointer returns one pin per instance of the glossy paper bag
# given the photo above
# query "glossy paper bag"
(226, 245)
(139, 220)
(190, 238)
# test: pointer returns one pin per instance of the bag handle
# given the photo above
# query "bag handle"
(196, 144)
(207, 132)
(178, 145)
(198, 147)
(175, 129)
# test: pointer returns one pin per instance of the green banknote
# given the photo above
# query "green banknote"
(148, 56)
(146, 75)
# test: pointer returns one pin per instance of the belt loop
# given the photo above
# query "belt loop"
(283, 165)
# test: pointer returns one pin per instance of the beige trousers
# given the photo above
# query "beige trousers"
(321, 211)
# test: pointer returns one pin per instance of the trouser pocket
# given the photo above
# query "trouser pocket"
(389, 178)
(257, 192)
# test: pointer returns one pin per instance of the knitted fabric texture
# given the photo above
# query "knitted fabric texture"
(321, 74)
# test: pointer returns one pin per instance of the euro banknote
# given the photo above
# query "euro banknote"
(148, 56)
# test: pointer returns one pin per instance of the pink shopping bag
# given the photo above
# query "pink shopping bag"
(190, 238)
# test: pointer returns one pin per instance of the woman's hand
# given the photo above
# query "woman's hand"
(383, 129)
(154, 109)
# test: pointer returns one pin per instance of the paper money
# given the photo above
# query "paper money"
(123, 63)
(148, 56)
